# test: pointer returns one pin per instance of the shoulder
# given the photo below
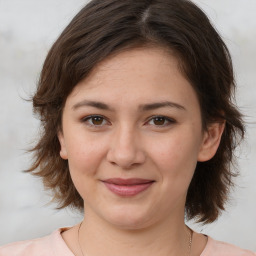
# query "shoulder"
(38, 247)
(217, 248)
(50, 245)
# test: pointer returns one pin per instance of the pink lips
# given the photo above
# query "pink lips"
(127, 187)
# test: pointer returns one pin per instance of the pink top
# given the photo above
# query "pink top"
(54, 245)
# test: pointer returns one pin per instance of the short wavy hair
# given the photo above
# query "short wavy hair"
(106, 27)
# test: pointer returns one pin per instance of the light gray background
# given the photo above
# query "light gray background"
(27, 29)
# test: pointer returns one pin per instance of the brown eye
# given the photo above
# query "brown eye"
(95, 120)
(159, 120)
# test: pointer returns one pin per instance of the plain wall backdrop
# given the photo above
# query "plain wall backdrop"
(27, 30)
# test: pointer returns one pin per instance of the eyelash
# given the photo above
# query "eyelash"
(88, 118)
(167, 121)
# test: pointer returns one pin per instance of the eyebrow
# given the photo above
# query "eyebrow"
(89, 103)
(143, 107)
(163, 104)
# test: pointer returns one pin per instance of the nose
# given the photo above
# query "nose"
(125, 149)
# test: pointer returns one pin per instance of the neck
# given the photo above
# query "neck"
(151, 240)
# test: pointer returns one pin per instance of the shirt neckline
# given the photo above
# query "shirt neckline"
(61, 244)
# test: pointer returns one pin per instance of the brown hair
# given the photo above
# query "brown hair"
(105, 27)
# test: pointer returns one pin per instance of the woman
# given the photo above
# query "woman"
(138, 130)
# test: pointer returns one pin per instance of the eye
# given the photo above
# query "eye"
(160, 121)
(95, 120)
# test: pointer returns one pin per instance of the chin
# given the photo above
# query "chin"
(128, 219)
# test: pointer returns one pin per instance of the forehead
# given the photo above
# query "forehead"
(136, 60)
(136, 75)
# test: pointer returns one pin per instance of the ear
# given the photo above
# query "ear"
(63, 150)
(211, 141)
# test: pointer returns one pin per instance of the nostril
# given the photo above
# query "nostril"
(126, 161)
(125, 150)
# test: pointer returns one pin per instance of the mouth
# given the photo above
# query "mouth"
(127, 187)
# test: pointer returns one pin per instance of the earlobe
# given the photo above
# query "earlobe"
(211, 141)
(63, 150)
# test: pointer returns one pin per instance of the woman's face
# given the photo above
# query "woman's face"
(132, 134)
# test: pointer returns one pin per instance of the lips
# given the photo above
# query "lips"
(127, 187)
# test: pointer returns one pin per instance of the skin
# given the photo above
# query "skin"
(130, 139)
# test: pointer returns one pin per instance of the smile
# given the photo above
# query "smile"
(127, 187)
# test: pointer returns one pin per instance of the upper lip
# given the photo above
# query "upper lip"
(131, 181)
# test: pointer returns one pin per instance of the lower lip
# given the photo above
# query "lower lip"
(127, 190)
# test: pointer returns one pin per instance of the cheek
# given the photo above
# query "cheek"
(176, 156)
(84, 156)
(84, 160)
